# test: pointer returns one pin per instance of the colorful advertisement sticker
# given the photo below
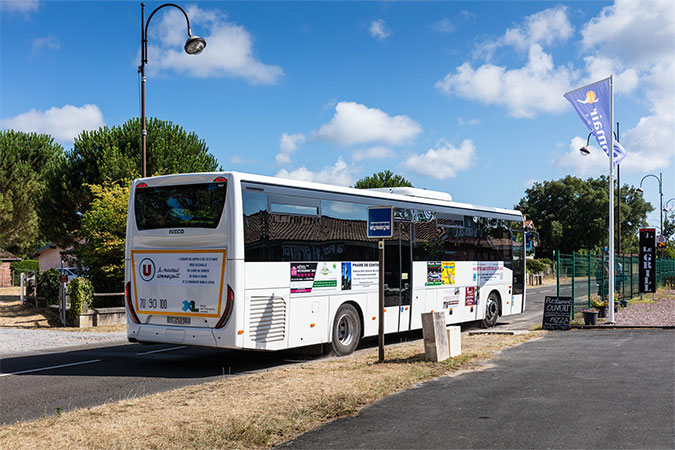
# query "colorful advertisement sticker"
(346, 276)
(326, 277)
(470, 296)
(448, 273)
(434, 275)
(302, 277)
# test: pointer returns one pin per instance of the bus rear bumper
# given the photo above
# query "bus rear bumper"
(202, 337)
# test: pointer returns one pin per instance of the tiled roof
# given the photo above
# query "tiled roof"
(7, 256)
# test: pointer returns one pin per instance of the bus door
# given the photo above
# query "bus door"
(398, 279)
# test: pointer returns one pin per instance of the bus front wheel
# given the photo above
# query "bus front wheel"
(491, 310)
(346, 330)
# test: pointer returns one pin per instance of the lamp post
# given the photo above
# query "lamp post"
(660, 180)
(585, 151)
(193, 46)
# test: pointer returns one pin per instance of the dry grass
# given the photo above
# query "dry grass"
(253, 411)
(15, 315)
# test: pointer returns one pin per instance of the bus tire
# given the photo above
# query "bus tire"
(346, 330)
(491, 310)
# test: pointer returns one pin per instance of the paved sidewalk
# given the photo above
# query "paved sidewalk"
(578, 389)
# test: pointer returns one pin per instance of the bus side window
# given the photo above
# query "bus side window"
(255, 219)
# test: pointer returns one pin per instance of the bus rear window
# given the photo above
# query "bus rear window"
(180, 206)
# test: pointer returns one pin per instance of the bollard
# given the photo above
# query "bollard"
(455, 340)
(436, 347)
(23, 286)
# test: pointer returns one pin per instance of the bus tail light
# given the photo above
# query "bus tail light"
(228, 308)
(130, 308)
(219, 179)
(142, 185)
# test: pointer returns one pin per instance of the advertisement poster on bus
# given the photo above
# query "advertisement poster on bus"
(440, 273)
(327, 277)
(451, 297)
(490, 271)
(179, 283)
(470, 296)
(434, 276)
(302, 277)
(448, 272)
(365, 275)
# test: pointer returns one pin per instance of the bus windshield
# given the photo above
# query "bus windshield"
(180, 206)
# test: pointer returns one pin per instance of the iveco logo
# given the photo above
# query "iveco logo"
(177, 231)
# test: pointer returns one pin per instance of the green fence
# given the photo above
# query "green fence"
(585, 276)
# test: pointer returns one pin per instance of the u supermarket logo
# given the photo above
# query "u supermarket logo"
(147, 269)
(590, 98)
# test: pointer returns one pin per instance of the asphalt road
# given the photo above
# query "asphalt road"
(35, 385)
(582, 389)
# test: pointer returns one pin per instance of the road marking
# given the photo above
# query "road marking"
(51, 367)
(162, 350)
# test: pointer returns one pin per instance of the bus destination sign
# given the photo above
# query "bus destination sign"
(380, 222)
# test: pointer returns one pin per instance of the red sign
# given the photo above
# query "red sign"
(63, 278)
(470, 296)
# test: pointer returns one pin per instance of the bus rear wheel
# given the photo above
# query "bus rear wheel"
(491, 311)
(346, 330)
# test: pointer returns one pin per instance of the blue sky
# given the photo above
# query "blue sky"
(462, 97)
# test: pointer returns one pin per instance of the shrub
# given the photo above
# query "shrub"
(81, 295)
(538, 265)
(27, 265)
(48, 286)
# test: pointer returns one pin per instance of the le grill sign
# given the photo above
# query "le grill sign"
(647, 259)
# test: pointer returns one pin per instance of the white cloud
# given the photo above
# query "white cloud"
(543, 28)
(638, 33)
(530, 182)
(288, 143)
(525, 92)
(377, 152)
(354, 123)
(50, 42)
(64, 124)
(443, 162)
(339, 174)
(229, 48)
(469, 122)
(444, 25)
(616, 39)
(22, 6)
(238, 159)
(379, 30)
(599, 67)
(594, 164)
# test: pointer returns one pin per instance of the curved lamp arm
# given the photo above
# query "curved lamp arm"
(144, 56)
(651, 175)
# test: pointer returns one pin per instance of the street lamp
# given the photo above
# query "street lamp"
(665, 208)
(660, 180)
(193, 46)
(585, 151)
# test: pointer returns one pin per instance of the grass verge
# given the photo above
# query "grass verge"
(253, 411)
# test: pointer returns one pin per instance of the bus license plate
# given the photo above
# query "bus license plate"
(178, 320)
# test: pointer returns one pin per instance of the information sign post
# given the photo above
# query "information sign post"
(381, 226)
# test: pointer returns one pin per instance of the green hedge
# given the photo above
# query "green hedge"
(81, 295)
(27, 265)
(48, 286)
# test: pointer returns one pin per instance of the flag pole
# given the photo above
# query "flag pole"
(611, 199)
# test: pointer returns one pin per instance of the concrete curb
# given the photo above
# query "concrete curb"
(498, 332)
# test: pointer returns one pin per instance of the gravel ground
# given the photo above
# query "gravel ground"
(15, 341)
(657, 314)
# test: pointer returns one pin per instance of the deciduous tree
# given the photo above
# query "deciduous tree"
(24, 160)
(573, 214)
(383, 179)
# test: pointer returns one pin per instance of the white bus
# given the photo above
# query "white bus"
(244, 261)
